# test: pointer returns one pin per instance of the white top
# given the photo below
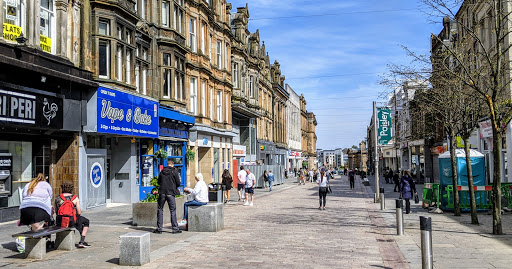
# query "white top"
(200, 192)
(41, 197)
(242, 176)
(251, 179)
(322, 183)
(310, 173)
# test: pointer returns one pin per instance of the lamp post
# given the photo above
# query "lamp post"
(376, 154)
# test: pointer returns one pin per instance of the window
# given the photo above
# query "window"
(143, 9)
(141, 69)
(47, 25)
(179, 78)
(193, 95)
(193, 41)
(235, 75)
(210, 48)
(202, 39)
(119, 66)
(14, 18)
(103, 27)
(203, 98)
(144, 77)
(219, 106)
(128, 66)
(167, 76)
(178, 18)
(219, 55)
(165, 13)
(227, 107)
(211, 103)
(251, 86)
(221, 12)
(104, 59)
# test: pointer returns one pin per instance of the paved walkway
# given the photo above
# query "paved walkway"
(286, 229)
(456, 243)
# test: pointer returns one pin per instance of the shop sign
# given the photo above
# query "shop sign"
(45, 43)
(11, 10)
(239, 151)
(171, 129)
(384, 126)
(31, 109)
(437, 150)
(125, 114)
(96, 175)
(11, 32)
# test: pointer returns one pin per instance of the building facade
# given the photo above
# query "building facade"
(293, 130)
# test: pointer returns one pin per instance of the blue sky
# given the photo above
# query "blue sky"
(335, 60)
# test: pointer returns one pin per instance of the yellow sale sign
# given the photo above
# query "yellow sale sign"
(45, 43)
(11, 32)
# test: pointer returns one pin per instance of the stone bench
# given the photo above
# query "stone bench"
(35, 241)
(134, 249)
(206, 218)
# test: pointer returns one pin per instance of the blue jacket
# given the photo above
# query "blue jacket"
(407, 187)
(270, 177)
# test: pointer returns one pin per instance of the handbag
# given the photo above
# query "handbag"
(416, 198)
(329, 190)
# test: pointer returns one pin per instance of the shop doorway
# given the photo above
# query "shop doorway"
(120, 171)
(215, 165)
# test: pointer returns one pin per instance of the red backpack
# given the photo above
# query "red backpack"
(66, 216)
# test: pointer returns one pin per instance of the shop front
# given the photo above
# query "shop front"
(170, 146)
(115, 145)
(267, 151)
(38, 135)
(294, 160)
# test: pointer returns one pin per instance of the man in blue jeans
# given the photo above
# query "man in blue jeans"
(200, 192)
(270, 179)
(169, 181)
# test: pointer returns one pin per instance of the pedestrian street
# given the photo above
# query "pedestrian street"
(286, 229)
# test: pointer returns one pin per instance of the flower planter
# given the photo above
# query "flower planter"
(145, 214)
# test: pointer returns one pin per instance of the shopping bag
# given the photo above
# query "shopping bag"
(416, 198)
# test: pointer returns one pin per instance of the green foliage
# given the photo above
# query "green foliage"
(161, 154)
(190, 155)
(150, 197)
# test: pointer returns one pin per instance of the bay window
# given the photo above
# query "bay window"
(47, 25)
(192, 36)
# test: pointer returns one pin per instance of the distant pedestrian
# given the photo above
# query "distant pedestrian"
(310, 175)
(227, 181)
(242, 177)
(352, 178)
(301, 177)
(270, 180)
(407, 189)
(169, 181)
(265, 179)
(396, 180)
(295, 171)
(249, 188)
(322, 189)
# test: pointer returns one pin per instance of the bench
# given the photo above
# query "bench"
(35, 241)
(206, 218)
(134, 249)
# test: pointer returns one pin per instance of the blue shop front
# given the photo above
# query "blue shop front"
(120, 126)
(171, 145)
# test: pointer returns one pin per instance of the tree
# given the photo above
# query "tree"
(484, 68)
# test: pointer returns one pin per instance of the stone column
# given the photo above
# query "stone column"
(61, 39)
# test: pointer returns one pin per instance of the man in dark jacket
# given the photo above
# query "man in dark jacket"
(168, 180)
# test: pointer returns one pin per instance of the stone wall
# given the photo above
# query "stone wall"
(65, 164)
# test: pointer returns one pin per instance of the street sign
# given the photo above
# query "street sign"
(384, 126)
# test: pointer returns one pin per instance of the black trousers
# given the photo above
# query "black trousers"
(171, 201)
(81, 222)
(322, 194)
(352, 181)
(407, 206)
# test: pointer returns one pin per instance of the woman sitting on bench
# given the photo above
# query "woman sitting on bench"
(36, 206)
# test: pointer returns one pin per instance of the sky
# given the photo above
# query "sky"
(335, 52)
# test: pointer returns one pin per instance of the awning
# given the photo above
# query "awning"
(171, 114)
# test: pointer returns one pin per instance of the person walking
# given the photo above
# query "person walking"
(242, 177)
(169, 181)
(310, 175)
(265, 179)
(407, 189)
(36, 204)
(396, 180)
(322, 189)
(352, 178)
(270, 180)
(227, 181)
(249, 188)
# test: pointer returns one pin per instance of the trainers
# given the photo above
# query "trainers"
(156, 231)
(251, 204)
(83, 245)
(176, 232)
(182, 222)
(246, 203)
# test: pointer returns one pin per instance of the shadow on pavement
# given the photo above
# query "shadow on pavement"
(10, 246)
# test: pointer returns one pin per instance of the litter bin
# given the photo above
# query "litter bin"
(214, 192)
(381, 190)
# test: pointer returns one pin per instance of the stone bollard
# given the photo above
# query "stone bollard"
(134, 249)
(399, 217)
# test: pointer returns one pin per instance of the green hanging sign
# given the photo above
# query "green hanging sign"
(384, 125)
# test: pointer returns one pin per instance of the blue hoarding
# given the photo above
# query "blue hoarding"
(125, 114)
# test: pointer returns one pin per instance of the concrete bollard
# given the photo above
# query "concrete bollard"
(427, 260)
(399, 217)
(382, 201)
